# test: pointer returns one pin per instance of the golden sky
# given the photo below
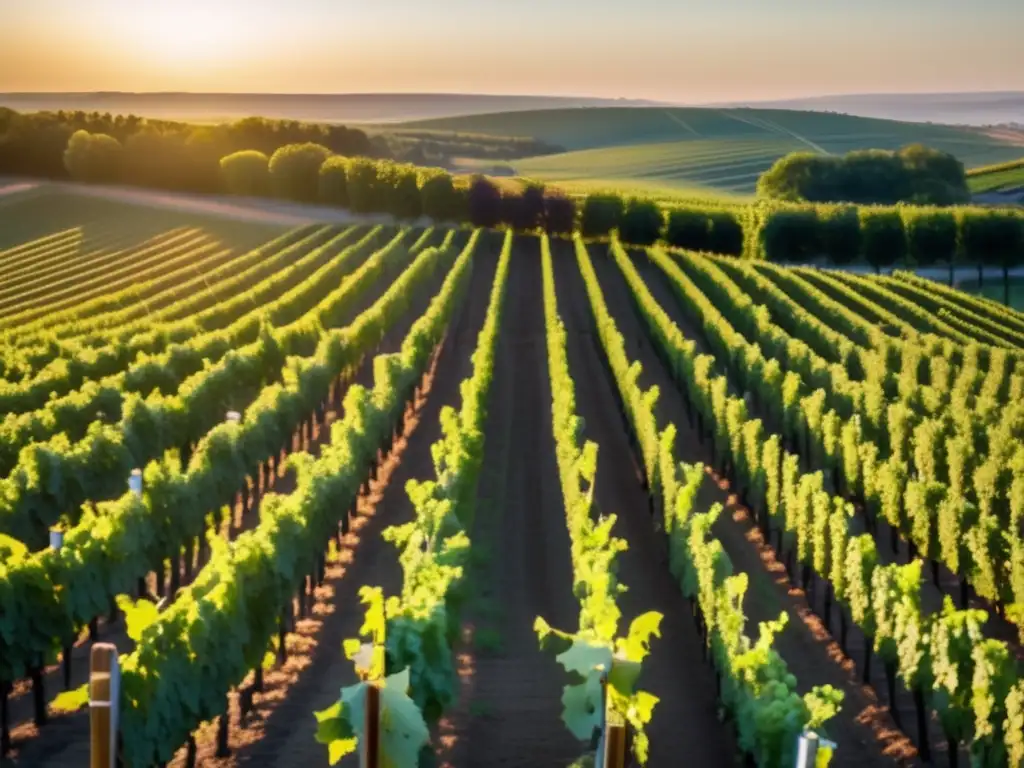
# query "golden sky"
(690, 52)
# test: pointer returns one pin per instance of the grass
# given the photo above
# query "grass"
(703, 151)
(1005, 177)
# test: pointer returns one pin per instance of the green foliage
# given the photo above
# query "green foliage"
(641, 223)
(791, 236)
(841, 234)
(246, 173)
(913, 174)
(295, 171)
(439, 199)
(601, 214)
(884, 241)
(333, 181)
(689, 229)
(931, 236)
(598, 659)
(94, 157)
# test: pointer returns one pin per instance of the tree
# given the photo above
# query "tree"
(93, 157)
(438, 197)
(484, 202)
(333, 181)
(601, 214)
(884, 240)
(399, 186)
(642, 223)
(840, 234)
(246, 173)
(524, 210)
(725, 233)
(931, 237)
(914, 174)
(295, 171)
(689, 229)
(559, 213)
(792, 236)
(364, 186)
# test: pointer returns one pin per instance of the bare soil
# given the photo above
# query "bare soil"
(509, 712)
(685, 721)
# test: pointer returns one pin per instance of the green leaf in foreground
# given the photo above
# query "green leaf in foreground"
(138, 615)
(71, 701)
(588, 660)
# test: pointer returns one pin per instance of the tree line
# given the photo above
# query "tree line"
(914, 174)
(836, 234)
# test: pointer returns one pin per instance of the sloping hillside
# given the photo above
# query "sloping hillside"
(721, 149)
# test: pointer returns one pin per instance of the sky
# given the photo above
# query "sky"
(685, 51)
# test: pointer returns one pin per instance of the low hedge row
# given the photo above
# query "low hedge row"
(881, 236)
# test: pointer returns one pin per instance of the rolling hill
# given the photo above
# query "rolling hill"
(710, 149)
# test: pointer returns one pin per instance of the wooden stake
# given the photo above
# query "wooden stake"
(104, 692)
(371, 745)
(615, 746)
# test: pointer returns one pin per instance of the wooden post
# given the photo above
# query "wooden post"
(807, 750)
(371, 742)
(611, 748)
(615, 746)
(104, 697)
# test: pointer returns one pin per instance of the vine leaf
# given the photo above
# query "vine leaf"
(14, 549)
(138, 615)
(71, 701)
(403, 731)
(334, 728)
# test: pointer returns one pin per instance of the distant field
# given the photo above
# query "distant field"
(327, 108)
(704, 148)
(1006, 177)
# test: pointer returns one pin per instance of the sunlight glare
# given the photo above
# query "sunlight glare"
(187, 33)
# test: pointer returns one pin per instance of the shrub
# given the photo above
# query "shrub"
(725, 233)
(401, 192)
(559, 213)
(840, 234)
(364, 186)
(524, 210)
(688, 229)
(791, 236)
(992, 237)
(883, 238)
(93, 157)
(295, 171)
(601, 214)
(333, 181)
(485, 206)
(246, 173)
(438, 197)
(931, 236)
(642, 223)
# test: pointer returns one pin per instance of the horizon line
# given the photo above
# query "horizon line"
(564, 97)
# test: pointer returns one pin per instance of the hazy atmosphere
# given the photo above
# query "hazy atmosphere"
(683, 52)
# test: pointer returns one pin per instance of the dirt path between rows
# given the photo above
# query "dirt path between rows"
(685, 721)
(863, 729)
(509, 710)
